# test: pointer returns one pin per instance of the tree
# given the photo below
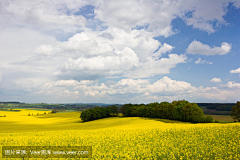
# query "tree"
(108, 111)
(114, 110)
(85, 115)
(126, 109)
(235, 112)
(187, 109)
(103, 112)
(196, 113)
(177, 113)
(169, 111)
(97, 112)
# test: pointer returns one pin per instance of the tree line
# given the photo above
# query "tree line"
(98, 113)
(181, 110)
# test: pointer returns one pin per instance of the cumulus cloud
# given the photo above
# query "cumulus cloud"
(196, 47)
(41, 14)
(134, 90)
(200, 61)
(235, 71)
(164, 49)
(94, 56)
(72, 94)
(232, 84)
(45, 15)
(93, 43)
(124, 60)
(79, 44)
(67, 83)
(125, 86)
(168, 85)
(155, 67)
(216, 80)
(157, 16)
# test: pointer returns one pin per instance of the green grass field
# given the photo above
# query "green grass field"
(121, 137)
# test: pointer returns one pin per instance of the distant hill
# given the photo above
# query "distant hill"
(10, 102)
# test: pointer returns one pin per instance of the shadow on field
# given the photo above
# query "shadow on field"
(163, 120)
(78, 121)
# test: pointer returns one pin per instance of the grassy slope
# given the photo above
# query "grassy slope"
(20, 121)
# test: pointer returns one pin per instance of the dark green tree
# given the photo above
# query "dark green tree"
(196, 113)
(114, 110)
(187, 111)
(85, 115)
(169, 110)
(108, 111)
(235, 112)
(103, 112)
(126, 109)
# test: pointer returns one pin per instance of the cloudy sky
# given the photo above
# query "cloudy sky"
(133, 51)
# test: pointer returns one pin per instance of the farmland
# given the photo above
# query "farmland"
(226, 118)
(122, 137)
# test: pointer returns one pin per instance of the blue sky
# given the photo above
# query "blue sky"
(119, 51)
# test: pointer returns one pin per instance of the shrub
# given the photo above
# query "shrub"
(209, 119)
(55, 110)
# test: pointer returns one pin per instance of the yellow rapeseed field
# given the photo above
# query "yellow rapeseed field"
(122, 138)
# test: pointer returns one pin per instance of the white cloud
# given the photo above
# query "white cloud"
(72, 94)
(216, 80)
(232, 84)
(236, 4)
(125, 62)
(168, 85)
(155, 67)
(235, 71)
(140, 41)
(0, 76)
(56, 17)
(94, 56)
(41, 14)
(94, 43)
(124, 86)
(200, 61)
(67, 83)
(45, 15)
(156, 16)
(133, 89)
(196, 47)
(113, 47)
(99, 65)
(164, 49)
